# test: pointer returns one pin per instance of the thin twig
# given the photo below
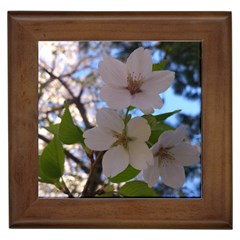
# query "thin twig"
(65, 189)
(59, 108)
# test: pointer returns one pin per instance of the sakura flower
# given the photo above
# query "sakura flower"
(171, 153)
(133, 83)
(124, 144)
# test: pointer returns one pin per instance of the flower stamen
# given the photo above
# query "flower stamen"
(134, 83)
(164, 156)
(122, 139)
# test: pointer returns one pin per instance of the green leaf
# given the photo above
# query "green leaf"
(107, 191)
(159, 66)
(137, 189)
(54, 129)
(126, 175)
(68, 132)
(109, 188)
(157, 131)
(52, 160)
(42, 177)
(157, 127)
(109, 194)
(151, 120)
(162, 117)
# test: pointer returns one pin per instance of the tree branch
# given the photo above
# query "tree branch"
(52, 75)
(76, 100)
(94, 177)
(82, 111)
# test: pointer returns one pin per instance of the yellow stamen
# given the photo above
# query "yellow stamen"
(122, 139)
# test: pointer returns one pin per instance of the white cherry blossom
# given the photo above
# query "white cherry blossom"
(133, 83)
(124, 144)
(171, 153)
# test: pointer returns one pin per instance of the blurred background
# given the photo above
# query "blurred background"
(69, 71)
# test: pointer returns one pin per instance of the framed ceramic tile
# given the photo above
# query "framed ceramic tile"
(120, 119)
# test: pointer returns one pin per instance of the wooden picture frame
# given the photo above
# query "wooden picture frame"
(213, 210)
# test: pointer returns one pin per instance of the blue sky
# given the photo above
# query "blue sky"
(173, 102)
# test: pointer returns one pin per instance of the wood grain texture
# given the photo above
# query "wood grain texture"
(213, 210)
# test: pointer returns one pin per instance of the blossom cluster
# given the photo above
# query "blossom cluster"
(125, 141)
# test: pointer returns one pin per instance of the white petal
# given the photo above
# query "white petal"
(172, 137)
(98, 139)
(151, 174)
(140, 155)
(113, 72)
(147, 110)
(185, 154)
(116, 98)
(172, 175)
(140, 62)
(138, 129)
(146, 102)
(115, 160)
(158, 82)
(109, 118)
(155, 148)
